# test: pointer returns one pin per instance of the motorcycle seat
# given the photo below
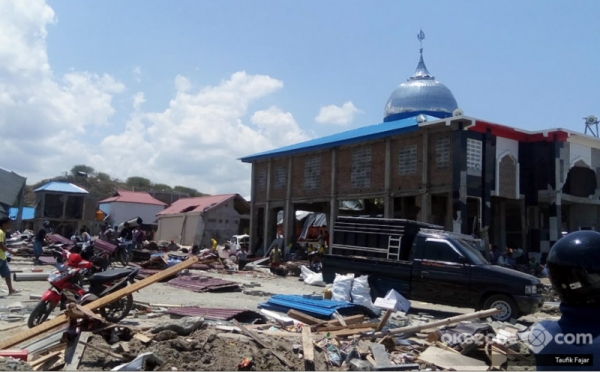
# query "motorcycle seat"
(106, 276)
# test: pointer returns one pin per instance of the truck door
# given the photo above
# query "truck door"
(440, 273)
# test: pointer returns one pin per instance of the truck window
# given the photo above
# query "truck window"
(439, 251)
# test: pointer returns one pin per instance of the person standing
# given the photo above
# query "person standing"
(242, 256)
(4, 269)
(275, 257)
(139, 239)
(213, 243)
(574, 268)
(85, 236)
(38, 242)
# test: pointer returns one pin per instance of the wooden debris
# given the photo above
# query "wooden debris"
(340, 318)
(101, 302)
(255, 337)
(102, 350)
(44, 359)
(384, 320)
(447, 321)
(75, 351)
(380, 355)
(350, 332)
(354, 319)
(308, 349)
(351, 326)
(303, 317)
(143, 338)
(449, 360)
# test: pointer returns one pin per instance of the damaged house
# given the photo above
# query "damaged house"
(192, 221)
(125, 205)
(66, 206)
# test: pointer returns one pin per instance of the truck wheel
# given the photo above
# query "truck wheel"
(505, 303)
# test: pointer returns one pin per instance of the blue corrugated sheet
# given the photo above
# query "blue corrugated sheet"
(64, 187)
(323, 309)
(369, 132)
(28, 213)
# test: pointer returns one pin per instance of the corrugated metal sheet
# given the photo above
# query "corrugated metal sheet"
(59, 239)
(202, 285)
(63, 187)
(198, 204)
(216, 314)
(317, 308)
(138, 197)
(369, 132)
(10, 186)
(104, 246)
(28, 213)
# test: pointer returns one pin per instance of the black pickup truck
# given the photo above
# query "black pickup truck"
(424, 263)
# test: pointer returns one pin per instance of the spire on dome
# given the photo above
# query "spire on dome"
(421, 72)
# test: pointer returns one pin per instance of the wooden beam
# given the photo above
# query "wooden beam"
(72, 361)
(255, 337)
(303, 317)
(439, 323)
(351, 326)
(354, 319)
(308, 349)
(44, 358)
(384, 320)
(101, 302)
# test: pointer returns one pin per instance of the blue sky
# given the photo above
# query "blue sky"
(527, 64)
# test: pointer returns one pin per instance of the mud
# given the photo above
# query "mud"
(203, 350)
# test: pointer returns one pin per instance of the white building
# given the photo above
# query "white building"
(125, 205)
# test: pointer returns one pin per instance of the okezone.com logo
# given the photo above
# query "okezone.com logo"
(537, 338)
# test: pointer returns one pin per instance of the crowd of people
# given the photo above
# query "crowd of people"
(517, 259)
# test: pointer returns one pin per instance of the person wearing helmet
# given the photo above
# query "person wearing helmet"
(574, 268)
(39, 240)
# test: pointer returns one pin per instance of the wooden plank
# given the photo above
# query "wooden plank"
(44, 358)
(101, 302)
(251, 334)
(308, 349)
(351, 326)
(439, 323)
(102, 350)
(449, 360)
(72, 361)
(384, 320)
(303, 317)
(350, 332)
(339, 318)
(142, 337)
(354, 319)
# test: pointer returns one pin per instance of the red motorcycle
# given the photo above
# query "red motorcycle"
(67, 286)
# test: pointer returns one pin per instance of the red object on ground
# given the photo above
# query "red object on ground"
(21, 354)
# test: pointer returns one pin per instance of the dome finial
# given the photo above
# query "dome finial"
(421, 72)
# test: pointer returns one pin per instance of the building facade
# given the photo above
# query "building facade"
(125, 205)
(427, 161)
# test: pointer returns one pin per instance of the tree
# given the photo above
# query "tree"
(161, 187)
(139, 183)
(103, 177)
(75, 171)
(187, 190)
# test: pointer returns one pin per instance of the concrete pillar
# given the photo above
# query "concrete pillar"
(333, 202)
(425, 205)
(555, 218)
(253, 209)
(448, 222)
(388, 200)
(459, 182)
(289, 212)
(268, 212)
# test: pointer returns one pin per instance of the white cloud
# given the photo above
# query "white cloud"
(339, 115)
(48, 124)
(137, 73)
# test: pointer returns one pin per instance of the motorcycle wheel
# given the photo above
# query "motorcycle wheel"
(40, 313)
(118, 310)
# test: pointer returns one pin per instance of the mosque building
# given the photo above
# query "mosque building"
(427, 161)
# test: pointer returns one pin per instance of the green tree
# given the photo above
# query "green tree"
(103, 177)
(139, 183)
(161, 187)
(187, 190)
(82, 168)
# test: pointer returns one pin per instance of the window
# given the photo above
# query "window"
(220, 221)
(262, 180)
(312, 172)
(280, 177)
(226, 221)
(474, 148)
(408, 160)
(361, 167)
(439, 251)
(211, 220)
(442, 153)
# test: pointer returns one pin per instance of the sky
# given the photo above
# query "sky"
(178, 91)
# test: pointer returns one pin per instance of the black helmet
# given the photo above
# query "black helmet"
(46, 223)
(574, 268)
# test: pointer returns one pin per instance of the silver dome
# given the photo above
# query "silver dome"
(421, 93)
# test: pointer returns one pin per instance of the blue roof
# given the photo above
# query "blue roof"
(367, 133)
(316, 308)
(28, 213)
(63, 187)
